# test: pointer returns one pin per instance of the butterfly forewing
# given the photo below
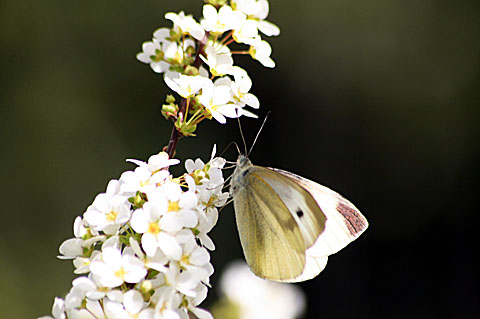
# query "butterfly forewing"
(271, 239)
(344, 222)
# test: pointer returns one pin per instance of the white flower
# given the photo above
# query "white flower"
(241, 87)
(247, 32)
(167, 303)
(92, 310)
(140, 179)
(258, 298)
(108, 213)
(216, 98)
(257, 10)
(147, 221)
(174, 53)
(115, 268)
(168, 211)
(72, 248)
(160, 161)
(260, 50)
(223, 20)
(187, 24)
(131, 306)
(193, 302)
(186, 85)
(193, 255)
(219, 63)
(252, 8)
(185, 281)
(152, 53)
(161, 34)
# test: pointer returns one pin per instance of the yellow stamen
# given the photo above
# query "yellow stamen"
(120, 273)
(173, 206)
(153, 228)
(112, 216)
(185, 260)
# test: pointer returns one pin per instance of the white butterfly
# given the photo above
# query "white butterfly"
(289, 225)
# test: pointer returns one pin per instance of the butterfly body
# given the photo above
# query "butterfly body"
(289, 225)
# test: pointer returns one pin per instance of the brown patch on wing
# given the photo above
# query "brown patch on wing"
(354, 221)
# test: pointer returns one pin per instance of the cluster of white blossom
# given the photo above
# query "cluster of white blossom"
(141, 247)
(221, 89)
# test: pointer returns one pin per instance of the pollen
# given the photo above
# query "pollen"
(112, 216)
(185, 260)
(153, 228)
(120, 273)
(173, 206)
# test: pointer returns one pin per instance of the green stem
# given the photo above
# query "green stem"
(176, 135)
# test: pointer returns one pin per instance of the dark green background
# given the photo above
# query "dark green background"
(376, 99)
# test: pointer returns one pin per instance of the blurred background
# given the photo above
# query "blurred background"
(376, 99)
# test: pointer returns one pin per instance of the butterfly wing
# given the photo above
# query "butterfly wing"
(344, 222)
(271, 239)
(302, 208)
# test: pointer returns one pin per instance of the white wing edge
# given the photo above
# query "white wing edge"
(313, 266)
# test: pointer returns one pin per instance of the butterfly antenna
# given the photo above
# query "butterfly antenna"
(256, 137)
(228, 146)
(241, 133)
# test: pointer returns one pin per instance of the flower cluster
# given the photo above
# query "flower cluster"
(141, 247)
(220, 89)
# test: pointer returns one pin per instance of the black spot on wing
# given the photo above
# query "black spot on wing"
(299, 212)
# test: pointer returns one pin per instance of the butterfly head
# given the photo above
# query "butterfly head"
(238, 177)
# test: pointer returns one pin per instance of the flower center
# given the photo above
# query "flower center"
(173, 206)
(185, 260)
(153, 228)
(112, 216)
(120, 273)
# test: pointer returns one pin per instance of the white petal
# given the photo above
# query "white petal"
(188, 200)
(149, 244)
(200, 256)
(251, 100)
(112, 257)
(189, 218)
(201, 313)
(172, 222)
(219, 117)
(206, 241)
(268, 28)
(229, 110)
(209, 12)
(133, 301)
(71, 248)
(58, 308)
(189, 165)
(169, 245)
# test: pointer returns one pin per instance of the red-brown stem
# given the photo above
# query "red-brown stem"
(176, 135)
